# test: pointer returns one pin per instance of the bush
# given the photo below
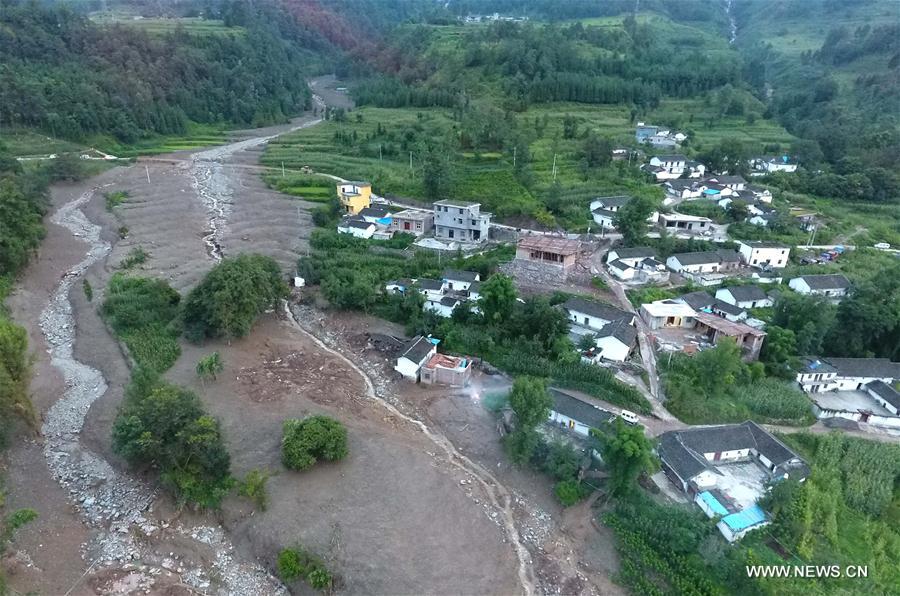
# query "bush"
(136, 256)
(88, 290)
(317, 437)
(570, 492)
(209, 367)
(114, 199)
(290, 565)
(296, 563)
(253, 486)
(165, 425)
(231, 296)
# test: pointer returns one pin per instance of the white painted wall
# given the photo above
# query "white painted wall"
(612, 349)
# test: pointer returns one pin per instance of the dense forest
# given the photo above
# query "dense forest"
(74, 78)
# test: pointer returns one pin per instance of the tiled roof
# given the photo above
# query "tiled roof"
(833, 281)
(417, 348)
(579, 410)
(600, 310)
(747, 293)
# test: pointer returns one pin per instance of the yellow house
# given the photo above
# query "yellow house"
(354, 196)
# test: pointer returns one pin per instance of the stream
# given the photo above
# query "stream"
(732, 24)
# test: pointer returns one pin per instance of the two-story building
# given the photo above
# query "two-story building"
(354, 196)
(712, 261)
(461, 221)
(552, 251)
(762, 253)
(412, 221)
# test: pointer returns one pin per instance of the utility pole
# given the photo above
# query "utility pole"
(553, 170)
(380, 156)
(147, 171)
(282, 169)
(515, 150)
(410, 161)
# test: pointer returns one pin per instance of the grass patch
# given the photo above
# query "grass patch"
(114, 199)
(142, 312)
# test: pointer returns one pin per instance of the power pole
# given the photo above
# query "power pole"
(380, 156)
(515, 149)
(282, 169)
(410, 161)
(553, 170)
(147, 171)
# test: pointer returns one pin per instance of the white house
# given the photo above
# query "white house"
(442, 306)
(768, 164)
(604, 209)
(576, 415)
(615, 341)
(667, 167)
(630, 256)
(819, 374)
(834, 286)
(744, 297)
(684, 189)
(679, 222)
(761, 253)
(712, 261)
(414, 356)
(595, 315)
(357, 226)
(376, 215)
(731, 182)
(459, 281)
(432, 289)
(621, 270)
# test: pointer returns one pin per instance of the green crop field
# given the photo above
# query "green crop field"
(162, 26)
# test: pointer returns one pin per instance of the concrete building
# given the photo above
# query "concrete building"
(461, 221)
(594, 315)
(412, 221)
(712, 261)
(459, 281)
(678, 222)
(667, 313)
(549, 250)
(762, 253)
(354, 196)
(442, 369)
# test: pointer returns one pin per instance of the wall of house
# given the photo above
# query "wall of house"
(565, 422)
(623, 275)
(731, 535)
(458, 285)
(408, 368)
(412, 226)
(728, 455)
(704, 480)
(440, 309)
(586, 320)
(613, 349)
(358, 232)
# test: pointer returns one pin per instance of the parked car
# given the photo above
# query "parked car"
(883, 246)
(629, 417)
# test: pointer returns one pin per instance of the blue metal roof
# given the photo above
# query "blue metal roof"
(745, 519)
(711, 191)
(713, 503)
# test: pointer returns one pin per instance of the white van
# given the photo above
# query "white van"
(629, 417)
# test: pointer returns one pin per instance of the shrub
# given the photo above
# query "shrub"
(114, 199)
(231, 296)
(317, 437)
(136, 256)
(210, 366)
(253, 486)
(165, 425)
(88, 290)
(290, 565)
(296, 563)
(570, 492)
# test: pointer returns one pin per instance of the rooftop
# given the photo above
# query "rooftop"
(456, 275)
(412, 214)
(849, 401)
(834, 281)
(672, 157)
(456, 203)
(445, 361)
(668, 308)
(762, 244)
(726, 327)
(616, 201)
(866, 367)
(581, 411)
(352, 222)
(746, 293)
(698, 300)
(430, 284)
(596, 309)
(620, 330)
(552, 244)
(417, 348)
(702, 258)
(376, 212)
(885, 392)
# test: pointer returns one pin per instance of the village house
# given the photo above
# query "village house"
(833, 286)
(614, 342)
(768, 164)
(762, 253)
(763, 220)
(443, 306)
(657, 136)
(857, 389)
(604, 209)
(441, 369)
(684, 189)
(734, 183)
(667, 313)
(354, 196)
(630, 256)
(459, 281)
(644, 271)
(744, 297)
(412, 221)
(712, 261)
(575, 415)
(414, 355)
(666, 167)
(461, 221)
(376, 215)
(761, 194)
(726, 469)
(679, 222)
(357, 226)
(715, 328)
(594, 315)
(551, 251)
(432, 289)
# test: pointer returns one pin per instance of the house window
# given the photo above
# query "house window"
(450, 232)
(585, 320)
(460, 211)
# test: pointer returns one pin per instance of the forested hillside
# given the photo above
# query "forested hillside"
(76, 79)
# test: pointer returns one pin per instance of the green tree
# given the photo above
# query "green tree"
(253, 486)
(310, 439)
(498, 298)
(531, 401)
(437, 172)
(809, 317)
(570, 491)
(210, 366)
(15, 375)
(631, 219)
(627, 453)
(596, 150)
(233, 294)
(779, 352)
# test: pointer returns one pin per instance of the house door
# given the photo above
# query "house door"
(717, 456)
(406, 225)
(864, 416)
(571, 424)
